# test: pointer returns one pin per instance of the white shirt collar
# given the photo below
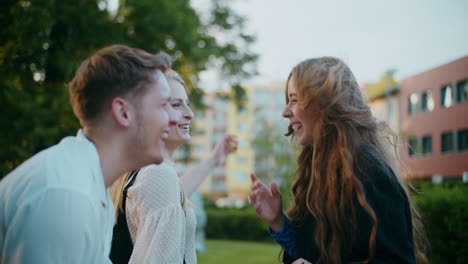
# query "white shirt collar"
(95, 162)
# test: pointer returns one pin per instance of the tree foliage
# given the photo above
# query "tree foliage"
(275, 157)
(42, 43)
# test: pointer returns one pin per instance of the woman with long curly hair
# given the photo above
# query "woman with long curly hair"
(348, 205)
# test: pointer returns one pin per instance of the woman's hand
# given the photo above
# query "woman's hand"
(226, 146)
(193, 177)
(267, 203)
(301, 261)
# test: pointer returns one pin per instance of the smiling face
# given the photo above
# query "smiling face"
(153, 121)
(301, 120)
(180, 133)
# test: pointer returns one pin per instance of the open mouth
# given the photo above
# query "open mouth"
(297, 127)
(184, 126)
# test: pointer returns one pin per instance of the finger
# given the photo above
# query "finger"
(257, 207)
(253, 178)
(260, 184)
(274, 190)
(259, 194)
(255, 193)
(254, 187)
(253, 199)
(234, 145)
(230, 148)
(256, 181)
(231, 144)
(301, 261)
(227, 139)
(231, 137)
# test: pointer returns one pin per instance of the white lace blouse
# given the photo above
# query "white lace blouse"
(161, 230)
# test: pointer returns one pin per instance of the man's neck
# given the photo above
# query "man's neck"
(113, 165)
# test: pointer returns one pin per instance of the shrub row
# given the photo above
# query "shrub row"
(445, 212)
(444, 208)
(235, 224)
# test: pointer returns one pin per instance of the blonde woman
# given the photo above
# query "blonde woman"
(348, 207)
(155, 221)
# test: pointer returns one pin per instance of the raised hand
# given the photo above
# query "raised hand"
(226, 146)
(301, 261)
(267, 203)
(193, 177)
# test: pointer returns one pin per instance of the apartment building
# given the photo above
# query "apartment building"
(434, 118)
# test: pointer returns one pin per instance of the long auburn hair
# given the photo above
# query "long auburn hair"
(325, 183)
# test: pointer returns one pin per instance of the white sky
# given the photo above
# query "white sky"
(372, 36)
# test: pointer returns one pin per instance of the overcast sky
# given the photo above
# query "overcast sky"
(372, 36)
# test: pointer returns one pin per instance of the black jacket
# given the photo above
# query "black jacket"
(394, 238)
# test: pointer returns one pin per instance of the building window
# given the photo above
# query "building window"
(446, 96)
(427, 102)
(219, 117)
(242, 143)
(241, 161)
(447, 142)
(199, 148)
(413, 103)
(242, 112)
(280, 98)
(462, 91)
(241, 177)
(199, 115)
(462, 140)
(413, 146)
(260, 98)
(199, 132)
(426, 145)
(242, 128)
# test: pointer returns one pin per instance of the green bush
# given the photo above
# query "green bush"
(235, 224)
(208, 202)
(445, 212)
(444, 208)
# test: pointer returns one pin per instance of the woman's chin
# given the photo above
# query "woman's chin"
(304, 141)
(187, 138)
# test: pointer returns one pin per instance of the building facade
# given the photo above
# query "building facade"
(210, 131)
(384, 99)
(434, 119)
(263, 106)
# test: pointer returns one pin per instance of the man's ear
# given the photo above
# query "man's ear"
(121, 112)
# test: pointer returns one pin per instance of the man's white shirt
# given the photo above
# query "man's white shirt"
(55, 208)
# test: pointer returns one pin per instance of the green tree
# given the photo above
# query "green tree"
(275, 157)
(174, 26)
(42, 43)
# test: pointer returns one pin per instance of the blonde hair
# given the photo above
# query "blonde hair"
(173, 75)
(325, 180)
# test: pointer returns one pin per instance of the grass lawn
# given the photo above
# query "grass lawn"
(230, 252)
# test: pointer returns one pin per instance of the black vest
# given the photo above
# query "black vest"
(122, 246)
